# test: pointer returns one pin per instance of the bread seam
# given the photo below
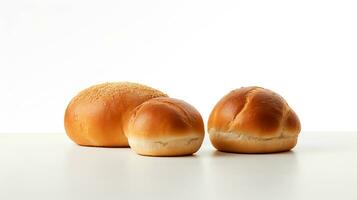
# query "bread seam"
(187, 117)
(241, 136)
(190, 140)
(246, 102)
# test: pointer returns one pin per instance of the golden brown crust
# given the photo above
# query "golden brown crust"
(255, 113)
(167, 121)
(228, 108)
(98, 114)
(292, 123)
(161, 117)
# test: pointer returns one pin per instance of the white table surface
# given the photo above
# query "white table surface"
(50, 166)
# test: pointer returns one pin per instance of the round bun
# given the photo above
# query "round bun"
(97, 116)
(165, 127)
(253, 120)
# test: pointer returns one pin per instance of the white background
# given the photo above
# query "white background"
(194, 50)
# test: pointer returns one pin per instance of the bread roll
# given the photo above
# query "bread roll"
(253, 120)
(98, 115)
(165, 127)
